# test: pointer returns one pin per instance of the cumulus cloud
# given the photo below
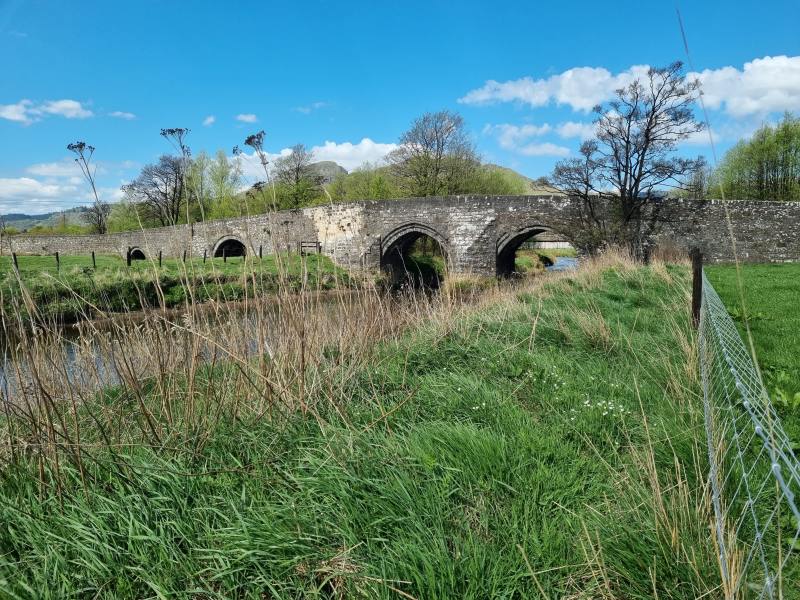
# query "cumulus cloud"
(247, 118)
(573, 129)
(543, 149)
(64, 168)
(18, 112)
(71, 109)
(581, 88)
(121, 114)
(31, 196)
(26, 112)
(351, 155)
(52, 186)
(310, 107)
(346, 154)
(510, 136)
(516, 139)
(209, 121)
(764, 85)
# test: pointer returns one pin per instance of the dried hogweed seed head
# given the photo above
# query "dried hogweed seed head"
(255, 141)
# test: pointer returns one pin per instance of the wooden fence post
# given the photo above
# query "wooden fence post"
(205, 253)
(94, 261)
(159, 258)
(260, 251)
(184, 255)
(58, 262)
(16, 264)
(128, 257)
(224, 254)
(697, 285)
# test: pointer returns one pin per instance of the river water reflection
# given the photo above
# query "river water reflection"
(93, 355)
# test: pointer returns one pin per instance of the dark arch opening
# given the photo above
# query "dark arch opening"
(520, 253)
(230, 247)
(137, 254)
(415, 259)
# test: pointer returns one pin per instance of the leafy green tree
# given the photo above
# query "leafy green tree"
(436, 157)
(765, 167)
(225, 182)
(368, 182)
(198, 186)
(488, 179)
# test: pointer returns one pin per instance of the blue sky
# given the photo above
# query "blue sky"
(347, 78)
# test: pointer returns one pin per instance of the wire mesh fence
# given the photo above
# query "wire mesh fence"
(754, 474)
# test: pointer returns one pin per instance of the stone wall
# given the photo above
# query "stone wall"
(479, 234)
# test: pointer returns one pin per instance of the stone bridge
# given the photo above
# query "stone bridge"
(478, 234)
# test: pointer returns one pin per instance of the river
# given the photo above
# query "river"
(100, 353)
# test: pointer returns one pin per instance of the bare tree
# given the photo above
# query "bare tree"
(96, 215)
(578, 178)
(159, 190)
(295, 167)
(436, 156)
(295, 171)
(631, 161)
(177, 137)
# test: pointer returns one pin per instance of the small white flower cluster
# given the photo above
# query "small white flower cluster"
(606, 406)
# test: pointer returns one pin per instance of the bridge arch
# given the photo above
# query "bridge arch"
(415, 254)
(228, 246)
(137, 253)
(509, 243)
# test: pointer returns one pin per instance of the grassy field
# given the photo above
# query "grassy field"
(546, 442)
(772, 309)
(78, 290)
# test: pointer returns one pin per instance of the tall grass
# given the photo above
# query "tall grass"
(536, 439)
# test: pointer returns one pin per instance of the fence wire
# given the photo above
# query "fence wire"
(754, 474)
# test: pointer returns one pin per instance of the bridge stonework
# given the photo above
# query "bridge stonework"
(479, 234)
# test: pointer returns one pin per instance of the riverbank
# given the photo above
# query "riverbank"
(77, 289)
(80, 291)
(544, 441)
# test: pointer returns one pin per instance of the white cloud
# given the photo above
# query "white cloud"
(26, 112)
(514, 138)
(209, 121)
(573, 129)
(71, 109)
(511, 136)
(770, 84)
(310, 107)
(31, 196)
(764, 85)
(247, 118)
(543, 149)
(351, 155)
(64, 168)
(346, 154)
(53, 186)
(581, 88)
(121, 114)
(19, 112)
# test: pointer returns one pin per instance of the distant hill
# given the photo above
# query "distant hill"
(535, 187)
(328, 170)
(23, 222)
